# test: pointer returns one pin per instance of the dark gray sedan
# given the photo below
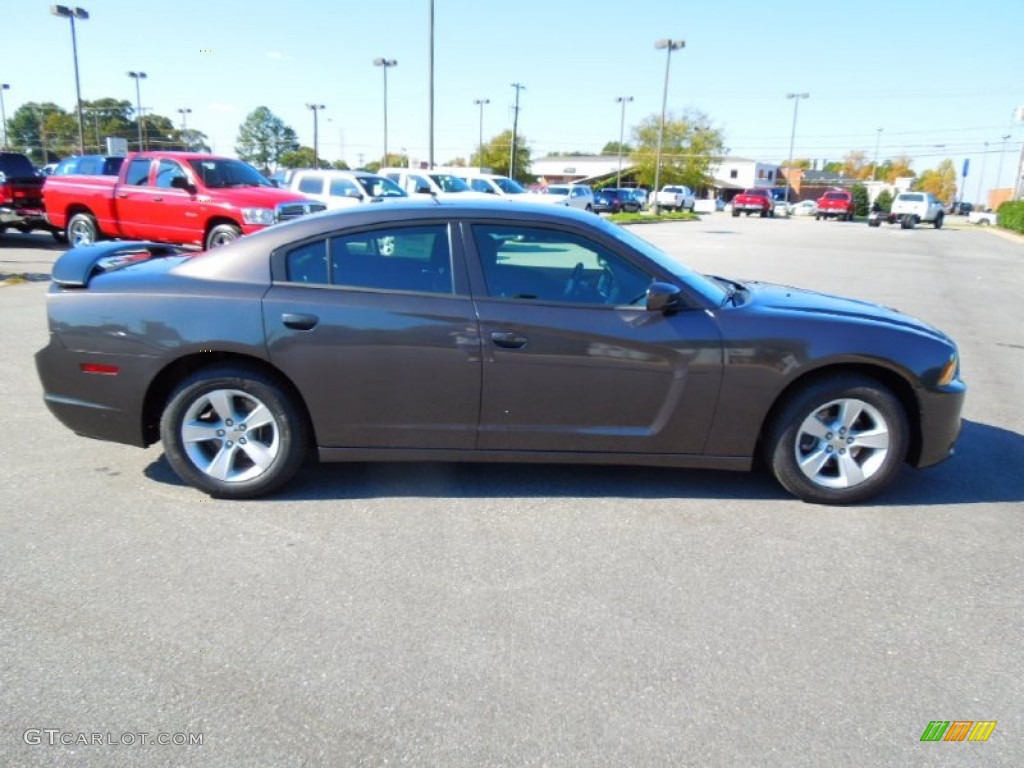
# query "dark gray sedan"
(484, 332)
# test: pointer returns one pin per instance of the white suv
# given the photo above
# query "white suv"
(341, 189)
(491, 183)
(572, 195)
(432, 182)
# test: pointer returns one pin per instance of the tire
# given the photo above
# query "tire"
(735, 214)
(59, 235)
(210, 406)
(874, 223)
(817, 217)
(839, 440)
(222, 234)
(938, 220)
(82, 230)
(764, 214)
(907, 221)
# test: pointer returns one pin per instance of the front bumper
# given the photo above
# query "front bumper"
(940, 423)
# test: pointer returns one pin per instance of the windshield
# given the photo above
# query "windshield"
(556, 191)
(221, 173)
(448, 183)
(509, 186)
(912, 198)
(378, 186)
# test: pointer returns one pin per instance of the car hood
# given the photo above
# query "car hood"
(798, 301)
(254, 197)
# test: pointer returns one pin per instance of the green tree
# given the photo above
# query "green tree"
(27, 132)
(940, 181)
(263, 138)
(340, 165)
(799, 162)
(497, 155)
(614, 147)
(302, 158)
(884, 201)
(690, 144)
(860, 199)
(834, 167)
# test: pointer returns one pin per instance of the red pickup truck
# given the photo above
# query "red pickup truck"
(836, 204)
(170, 197)
(754, 201)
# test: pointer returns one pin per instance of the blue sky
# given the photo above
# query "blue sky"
(928, 73)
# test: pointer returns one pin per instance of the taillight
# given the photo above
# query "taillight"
(100, 368)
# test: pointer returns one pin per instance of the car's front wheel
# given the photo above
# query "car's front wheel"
(222, 234)
(82, 230)
(839, 440)
(233, 432)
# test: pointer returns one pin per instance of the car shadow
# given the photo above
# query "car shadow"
(985, 469)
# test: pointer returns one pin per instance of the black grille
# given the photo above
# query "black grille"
(288, 211)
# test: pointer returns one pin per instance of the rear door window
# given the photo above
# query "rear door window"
(138, 172)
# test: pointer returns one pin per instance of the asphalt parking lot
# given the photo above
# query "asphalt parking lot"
(492, 615)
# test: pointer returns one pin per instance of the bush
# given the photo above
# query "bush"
(884, 201)
(860, 199)
(1011, 216)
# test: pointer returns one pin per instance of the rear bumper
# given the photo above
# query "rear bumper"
(28, 216)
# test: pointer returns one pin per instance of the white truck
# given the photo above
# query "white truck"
(910, 209)
(674, 197)
(985, 218)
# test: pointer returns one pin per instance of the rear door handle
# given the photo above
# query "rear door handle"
(299, 322)
(508, 340)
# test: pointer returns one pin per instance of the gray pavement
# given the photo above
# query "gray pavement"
(444, 615)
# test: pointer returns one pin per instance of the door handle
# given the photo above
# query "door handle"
(299, 322)
(508, 340)
(122, 194)
(158, 199)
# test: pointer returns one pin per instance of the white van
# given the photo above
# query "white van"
(341, 189)
(442, 184)
(490, 183)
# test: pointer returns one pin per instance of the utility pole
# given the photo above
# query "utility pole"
(623, 100)
(515, 130)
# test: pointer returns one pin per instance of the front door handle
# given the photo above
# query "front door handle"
(158, 199)
(508, 340)
(299, 322)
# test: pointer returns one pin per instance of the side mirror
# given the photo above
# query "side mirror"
(663, 297)
(180, 182)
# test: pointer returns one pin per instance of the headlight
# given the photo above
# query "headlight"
(263, 216)
(949, 371)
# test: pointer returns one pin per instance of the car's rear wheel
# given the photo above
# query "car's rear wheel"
(938, 221)
(82, 230)
(735, 214)
(234, 433)
(839, 440)
(222, 234)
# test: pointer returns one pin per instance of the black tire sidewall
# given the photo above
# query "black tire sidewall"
(291, 426)
(781, 456)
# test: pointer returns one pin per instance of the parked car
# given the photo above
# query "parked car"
(804, 208)
(89, 165)
(836, 204)
(709, 205)
(171, 197)
(439, 184)
(21, 194)
(757, 200)
(614, 200)
(985, 218)
(780, 203)
(641, 196)
(490, 183)
(487, 332)
(570, 195)
(341, 189)
(675, 197)
(910, 209)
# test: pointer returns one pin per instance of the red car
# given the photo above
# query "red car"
(753, 201)
(836, 204)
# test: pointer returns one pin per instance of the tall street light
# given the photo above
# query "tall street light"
(792, 137)
(669, 45)
(981, 176)
(480, 103)
(137, 76)
(385, 64)
(185, 112)
(3, 114)
(316, 133)
(999, 173)
(623, 100)
(72, 14)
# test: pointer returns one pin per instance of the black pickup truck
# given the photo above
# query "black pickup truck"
(21, 194)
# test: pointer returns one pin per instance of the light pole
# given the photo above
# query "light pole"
(480, 103)
(515, 131)
(316, 134)
(3, 114)
(137, 76)
(669, 45)
(981, 176)
(623, 100)
(72, 14)
(792, 138)
(999, 173)
(878, 143)
(385, 64)
(185, 112)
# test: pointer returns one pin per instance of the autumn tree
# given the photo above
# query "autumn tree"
(856, 166)
(895, 168)
(940, 181)
(798, 162)
(263, 138)
(689, 146)
(497, 155)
